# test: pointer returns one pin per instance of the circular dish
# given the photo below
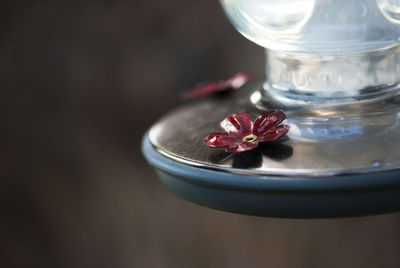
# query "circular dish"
(340, 159)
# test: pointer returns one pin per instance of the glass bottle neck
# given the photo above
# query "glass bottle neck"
(332, 77)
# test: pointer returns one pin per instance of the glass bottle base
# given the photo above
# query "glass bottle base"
(305, 79)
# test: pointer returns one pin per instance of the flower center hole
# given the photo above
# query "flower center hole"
(250, 138)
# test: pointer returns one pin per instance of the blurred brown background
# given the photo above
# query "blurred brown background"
(81, 81)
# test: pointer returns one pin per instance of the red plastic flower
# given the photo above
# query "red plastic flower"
(243, 135)
(235, 82)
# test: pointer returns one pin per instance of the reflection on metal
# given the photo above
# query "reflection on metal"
(325, 139)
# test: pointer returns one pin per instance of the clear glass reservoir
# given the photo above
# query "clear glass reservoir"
(324, 49)
(317, 26)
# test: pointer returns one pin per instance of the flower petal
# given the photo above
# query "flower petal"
(220, 140)
(267, 120)
(242, 147)
(206, 89)
(239, 125)
(239, 79)
(235, 82)
(275, 133)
